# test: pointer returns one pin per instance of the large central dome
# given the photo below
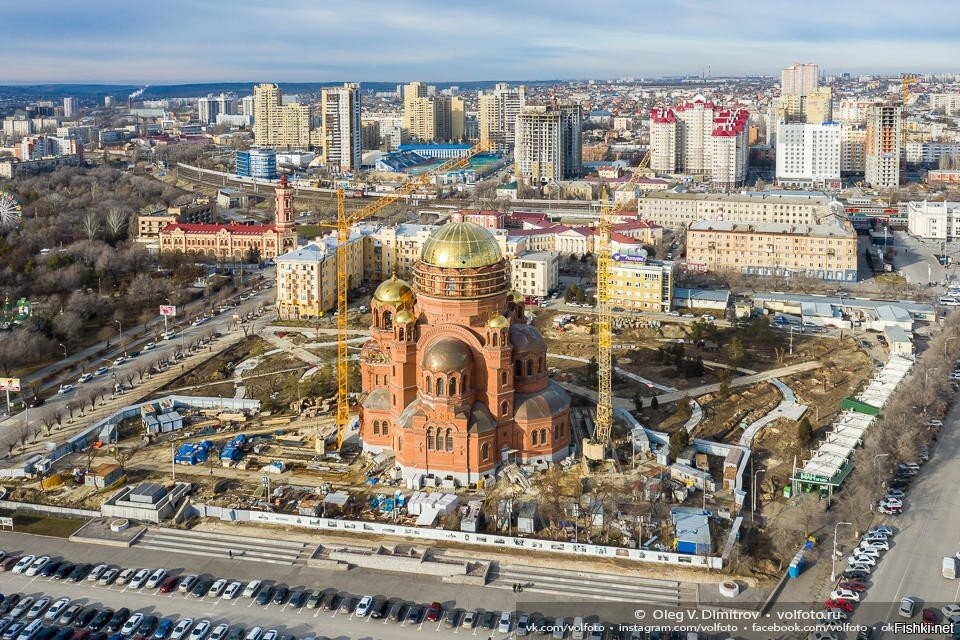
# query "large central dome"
(461, 245)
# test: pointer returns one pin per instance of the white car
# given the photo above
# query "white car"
(36, 566)
(125, 576)
(363, 607)
(37, 608)
(149, 346)
(271, 634)
(108, 576)
(168, 335)
(139, 579)
(890, 503)
(882, 530)
(935, 423)
(200, 631)
(255, 634)
(216, 589)
(862, 558)
(96, 572)
(56, 609)
(180, 631)
(875, 544)
(251, 590)
(87, 377)
(950, 610)
(897, 494)
(64, 389)
(506, 621)
(219, 632)
(186, 585)
(845, 594)
(131, 625)
(862, 567)
(22, 607)
(233, 590)
(866, 551)
(156, 578)
(23, 564)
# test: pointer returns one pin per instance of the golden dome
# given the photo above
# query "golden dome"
(447, 354)
(461, 245)
(498, 322)
(404, 317)
(393, 291)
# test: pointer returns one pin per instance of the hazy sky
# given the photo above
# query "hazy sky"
(174, 41)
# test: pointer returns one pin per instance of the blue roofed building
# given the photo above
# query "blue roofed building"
(400, 161)
(437, 151)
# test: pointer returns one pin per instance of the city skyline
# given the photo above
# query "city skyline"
(285, 42)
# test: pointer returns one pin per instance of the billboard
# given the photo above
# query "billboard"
(168, 310)
(9, 384)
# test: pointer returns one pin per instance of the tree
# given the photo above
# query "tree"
(805, 432)
(92, 225)
(117, 221)
(736, 352)
(679, 440)
(122, 455)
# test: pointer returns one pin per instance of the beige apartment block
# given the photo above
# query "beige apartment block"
(307, 278)
(678, 210)
(641, 285)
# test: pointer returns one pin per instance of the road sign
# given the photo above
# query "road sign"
(168, 310)
(9, 384)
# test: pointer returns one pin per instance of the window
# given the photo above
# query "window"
(429, 384)
(453, 386)
(376, 427)
(439, 387)
(503, 378)
(503, 408)
(465, 385)
(529, 367)
(429, 438)
(385, 426)
(518, 368)
(493, 339)
(543, 436)
(449, 439)
(533, 438)
(485, 451)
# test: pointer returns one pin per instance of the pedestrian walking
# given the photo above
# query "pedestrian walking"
(230, 553)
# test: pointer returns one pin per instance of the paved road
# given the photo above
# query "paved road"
(928, 530)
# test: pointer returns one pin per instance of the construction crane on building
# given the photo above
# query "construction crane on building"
(906, 80)
(595, 449)
(345, 222)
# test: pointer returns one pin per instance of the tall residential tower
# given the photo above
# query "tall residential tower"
(341, 126)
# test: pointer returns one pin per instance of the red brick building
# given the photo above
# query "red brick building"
(454, 380)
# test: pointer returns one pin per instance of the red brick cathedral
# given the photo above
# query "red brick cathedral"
(454, 380)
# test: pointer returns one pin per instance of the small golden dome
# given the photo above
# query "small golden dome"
(498, 322)
(393, 291)
(515, 296)
(447, 354)
(461, 245)
(404, 317)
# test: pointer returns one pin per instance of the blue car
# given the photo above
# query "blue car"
(163, 629)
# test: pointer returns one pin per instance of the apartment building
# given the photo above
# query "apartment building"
(278, 125)
(799, 79)
(678, 210)
(853, 140)
(808, 155)
(931, 153)
(535, 273)
(933, 220)
(949, 103)
(69, 107)
(497, 115)
(823, 251)
(637, 284)
(432, 118)
(701, 139)
(210, 107)
(548, 143)
(341, 130)
(307, 277)
(882, 146)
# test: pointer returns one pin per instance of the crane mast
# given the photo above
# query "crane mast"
(595, 449)
(344, 223)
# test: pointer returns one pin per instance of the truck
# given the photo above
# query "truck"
(948, 568)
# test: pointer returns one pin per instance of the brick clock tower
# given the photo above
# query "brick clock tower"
(285, 212)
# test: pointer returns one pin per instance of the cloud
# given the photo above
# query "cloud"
(367, 40)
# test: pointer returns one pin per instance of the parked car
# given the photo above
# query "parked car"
(252, 588)
(163, 629)
(38, 607)
(156, 578)
(907, 607)
(181, 630)
(845, 594)
(843, 605)
(169, 584)
(118, 619)
(505, 623)
(875, 544)
(36, 566)
(186, 584)
(414, 614)
(139, 579)
(434, 611)
(469, 620)
(232, 590)
(890, 511)
(125, 576)
(363, 607)
(216, 589)
(56, 609)
(131, 625)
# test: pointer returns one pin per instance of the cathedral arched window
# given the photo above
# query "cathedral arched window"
(539, 365)
(518, 368)
(453, 386)
(439, 387)
(400, 334)
(503, 378)
(533, 438)
(451, 285)
(387, 320)
(543, 436)
(376, 427)
(385, 428)
(449, 439)
(429, 438)
(503, 408)
(465, 385)
(529, 367)
(493, 339)
(485, 451)
(429, 384)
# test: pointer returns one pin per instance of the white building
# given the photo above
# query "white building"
(934, 220)
(853, 139)
(949, 103)
(808, 155)
(210, 107)
(799, 79)
(69, 107)
(882, 147)
(498, 114)
(679, 210)
(931, 152)
(340, 108)
(536, 274)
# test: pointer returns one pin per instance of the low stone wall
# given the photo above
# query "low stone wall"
(48, 509)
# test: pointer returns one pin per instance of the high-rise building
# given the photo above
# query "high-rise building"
(370, 134)
(498, 114)
(853, 138)
(247, 106)
(702, 139)
(69, 107)
(808, 155)
(548, 143)
(882, 146)
(340, 110)
(949, 103)
(799, 79)
(433, 118)
(279, 125)
(411, 92)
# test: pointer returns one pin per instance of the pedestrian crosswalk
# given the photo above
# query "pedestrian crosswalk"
(222, 545)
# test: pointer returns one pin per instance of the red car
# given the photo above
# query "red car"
(843, 605)
(169, 584)
(434, 612)
(928, 617)
(853, 585)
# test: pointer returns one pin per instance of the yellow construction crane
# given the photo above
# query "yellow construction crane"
(595, 449)
(906, 80)
(345, 222)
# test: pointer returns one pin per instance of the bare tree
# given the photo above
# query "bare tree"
(48, 419)
(91, 225)
(74, 406)
(91, 453)
(122, 455)
(117, 221)
(91, 397)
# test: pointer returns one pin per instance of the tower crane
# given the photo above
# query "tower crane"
(906, 80)
(345, 222)
(595, 449)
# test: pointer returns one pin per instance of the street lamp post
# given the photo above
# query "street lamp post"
(62, 346)
(753, 506)
(877, 464)
(833, 565)
(120, 324)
